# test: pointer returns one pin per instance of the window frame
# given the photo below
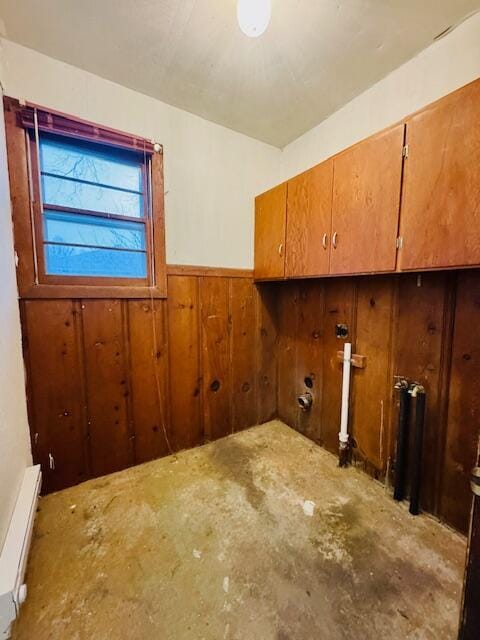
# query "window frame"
(28, 208)
(39, 212)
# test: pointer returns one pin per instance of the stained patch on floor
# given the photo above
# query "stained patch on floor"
(223, 543)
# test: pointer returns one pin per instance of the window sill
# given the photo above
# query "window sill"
(91, 291)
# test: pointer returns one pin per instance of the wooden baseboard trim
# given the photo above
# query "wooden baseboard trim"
(219, 272)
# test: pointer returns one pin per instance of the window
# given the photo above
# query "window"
(94, 210)
(96, 207)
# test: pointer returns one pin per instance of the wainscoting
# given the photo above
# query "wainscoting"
(112, 383)
(425, 327)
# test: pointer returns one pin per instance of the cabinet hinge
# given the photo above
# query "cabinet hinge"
(399, 242)
(405, 151)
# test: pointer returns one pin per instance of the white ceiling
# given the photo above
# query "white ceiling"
(315, 56)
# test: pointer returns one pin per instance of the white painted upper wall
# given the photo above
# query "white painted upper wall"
(211, 173)
(445, 66)
(14, 438)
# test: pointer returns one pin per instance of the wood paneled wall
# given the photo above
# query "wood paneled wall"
(423, 327)
(112, 383)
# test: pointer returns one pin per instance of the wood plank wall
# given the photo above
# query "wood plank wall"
(423, 327)
(112, 383)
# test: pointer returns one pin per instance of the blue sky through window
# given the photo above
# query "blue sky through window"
(87, 179)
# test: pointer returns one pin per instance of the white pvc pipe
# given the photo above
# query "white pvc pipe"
(347, 359)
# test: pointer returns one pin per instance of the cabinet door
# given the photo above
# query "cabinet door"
(270, 222)
(440, 217)
(366, 201)
(309, 218)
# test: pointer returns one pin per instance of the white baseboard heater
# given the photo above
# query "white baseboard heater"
(13, 558)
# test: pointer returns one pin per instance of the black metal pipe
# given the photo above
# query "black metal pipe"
(402, 442)
(416, 473)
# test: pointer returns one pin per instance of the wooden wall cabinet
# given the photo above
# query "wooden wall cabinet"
(340, 217)
(309, 219)
(440, 220)
(270, 227)
(366, 201)
(411, 192)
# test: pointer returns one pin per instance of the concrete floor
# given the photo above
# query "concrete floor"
(215, 544)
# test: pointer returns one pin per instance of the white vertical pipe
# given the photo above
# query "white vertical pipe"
(347, 359)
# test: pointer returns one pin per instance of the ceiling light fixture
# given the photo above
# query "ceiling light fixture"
(254, 16)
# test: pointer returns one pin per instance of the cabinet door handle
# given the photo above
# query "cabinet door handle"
(325, 241)
(334, 240)
(280, 249)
